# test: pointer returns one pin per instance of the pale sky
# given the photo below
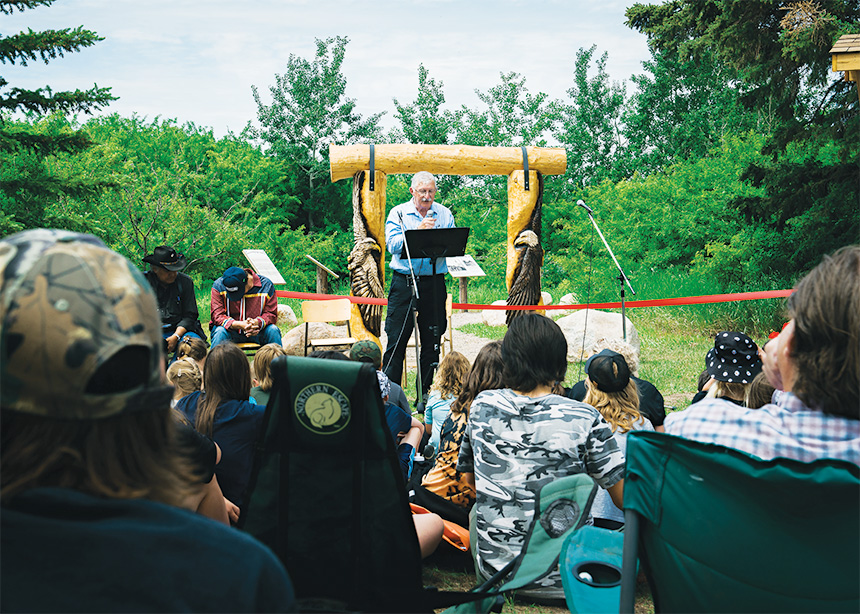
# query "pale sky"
(196, 60)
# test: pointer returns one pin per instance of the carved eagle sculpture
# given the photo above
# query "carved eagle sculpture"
(365, 281)
(525, 286)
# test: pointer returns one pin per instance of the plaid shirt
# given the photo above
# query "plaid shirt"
(786, 429)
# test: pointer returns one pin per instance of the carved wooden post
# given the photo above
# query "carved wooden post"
(366, 261)
(525, 253)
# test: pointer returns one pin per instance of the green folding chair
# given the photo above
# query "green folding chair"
(327, 493)
(718, 530)
(561, 508)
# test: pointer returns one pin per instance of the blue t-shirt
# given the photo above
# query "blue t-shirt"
(235, 429)
(435, 415)
(63, 550)
(397, 419)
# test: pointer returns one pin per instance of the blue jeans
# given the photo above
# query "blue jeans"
(270, 334)
(166, 334)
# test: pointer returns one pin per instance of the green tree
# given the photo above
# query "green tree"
(682, 109)
(590, 124)
(28, 181)
(780, 52)
(513, 116)
(424, 121)
(309, 112)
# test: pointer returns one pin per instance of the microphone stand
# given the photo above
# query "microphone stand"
(413, 307)
(622, 276)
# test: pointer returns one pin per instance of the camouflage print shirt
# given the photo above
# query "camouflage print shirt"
(515, 445)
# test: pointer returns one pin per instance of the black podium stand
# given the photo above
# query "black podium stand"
(430, 243)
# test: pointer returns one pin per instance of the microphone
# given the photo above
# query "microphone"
(584, 206)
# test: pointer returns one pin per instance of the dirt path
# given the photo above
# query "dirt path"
(466, 344)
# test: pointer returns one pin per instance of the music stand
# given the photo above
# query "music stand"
(431, 243)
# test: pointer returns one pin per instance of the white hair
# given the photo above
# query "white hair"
(422, 178)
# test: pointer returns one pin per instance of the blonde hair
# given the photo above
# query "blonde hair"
(727, 390)
(631, 356)
(620, 409)
(263, 364)
(185, 376)
(451, 374)
(759, 392)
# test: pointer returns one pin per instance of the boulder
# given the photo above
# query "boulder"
(568, 299)
(592, 324)
(293, 340)
(495, 317)
(547, 298)
(286, 317)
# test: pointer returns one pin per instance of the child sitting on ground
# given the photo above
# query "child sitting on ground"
(186, 378)
(405, 429)
(195, 349)
(262, 379)
(446, 386)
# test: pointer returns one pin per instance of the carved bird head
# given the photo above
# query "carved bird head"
(527, 238)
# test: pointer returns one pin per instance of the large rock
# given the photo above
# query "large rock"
(600, 325)
(293, 341)
(568, 299)
(495, 317)
(286, 317)
(547, 298)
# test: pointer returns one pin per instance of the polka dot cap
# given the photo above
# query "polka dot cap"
(734, 358)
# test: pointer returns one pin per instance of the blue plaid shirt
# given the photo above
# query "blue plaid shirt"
(786, 428)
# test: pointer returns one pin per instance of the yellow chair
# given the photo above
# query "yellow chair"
(335, 310)
(249, 348)
(448, 338)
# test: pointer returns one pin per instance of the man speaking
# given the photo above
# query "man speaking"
(421, 212)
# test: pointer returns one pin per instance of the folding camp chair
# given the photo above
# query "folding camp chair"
(328, 497)
(718, 530)
(327, 493)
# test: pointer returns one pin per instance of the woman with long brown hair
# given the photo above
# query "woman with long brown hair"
(224, 413)
(443, 480)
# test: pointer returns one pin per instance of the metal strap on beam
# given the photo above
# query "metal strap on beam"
(525, 166)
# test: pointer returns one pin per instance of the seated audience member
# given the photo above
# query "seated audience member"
(328, 355)
(195, 349)
(446, 386)
(444, 480)
(244, 308)
(367, 350)
(703, 385)
(92, 481)
(263, 372)
(405, 429)
(612, 392)
(545, 437)
(759, 393)
(185, 376)
(732, 363)
(223, 413)
(651, 404)
(174, 294)
(815, 361)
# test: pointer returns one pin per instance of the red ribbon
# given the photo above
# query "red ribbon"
(660, 302)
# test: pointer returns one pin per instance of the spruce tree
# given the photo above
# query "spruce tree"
(28, 181)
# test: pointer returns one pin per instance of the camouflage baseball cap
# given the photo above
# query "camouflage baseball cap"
(366, 350)
(68, 305)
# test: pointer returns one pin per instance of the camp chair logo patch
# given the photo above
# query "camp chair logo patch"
(322, 408)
